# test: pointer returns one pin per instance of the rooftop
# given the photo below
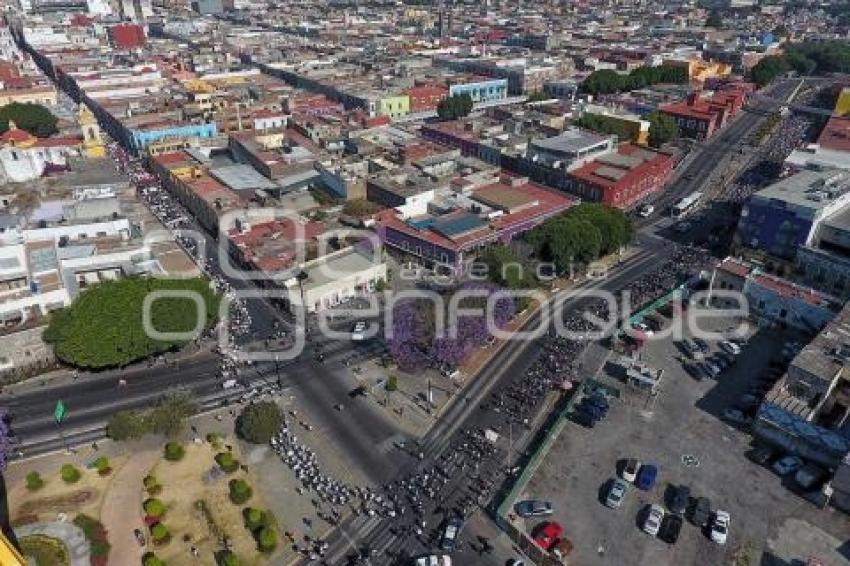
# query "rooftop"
(571, 141)
(809, 189)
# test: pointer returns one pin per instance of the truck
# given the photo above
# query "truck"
(229, 384)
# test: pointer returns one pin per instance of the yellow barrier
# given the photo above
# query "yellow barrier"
(9, 555)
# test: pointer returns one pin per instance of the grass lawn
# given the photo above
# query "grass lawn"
(182, 485)
(46, 551)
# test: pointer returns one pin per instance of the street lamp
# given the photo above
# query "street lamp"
(302, 276)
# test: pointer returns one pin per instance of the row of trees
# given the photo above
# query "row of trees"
(581, 235)
(607, 81)
(104, 326)
(808, 58)
(662, 128)
(454, 107)
(167, 418)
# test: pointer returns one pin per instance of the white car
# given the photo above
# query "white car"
(652, 524)
(646, 211)
(787, 465)
(434, 560)
(730, 347)
(359, 332)
(720, 526)
(630, 470)
(644, 328)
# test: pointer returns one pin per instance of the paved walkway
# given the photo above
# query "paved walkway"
(121, 509)
(68, 533)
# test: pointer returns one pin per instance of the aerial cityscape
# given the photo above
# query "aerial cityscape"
(424, 282)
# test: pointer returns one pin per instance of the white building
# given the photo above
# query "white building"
(334, 278)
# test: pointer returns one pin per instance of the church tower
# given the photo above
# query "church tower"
(92, 140)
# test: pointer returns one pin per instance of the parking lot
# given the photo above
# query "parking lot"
(681, 431)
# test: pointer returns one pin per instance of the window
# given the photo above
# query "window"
(783, 313)
(15, 155)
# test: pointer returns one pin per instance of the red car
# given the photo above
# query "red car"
(548, 534)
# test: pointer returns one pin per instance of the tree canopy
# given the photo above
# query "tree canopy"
(34, 118)
(454, 107)
(104, 327)
(806, 58)
(714, 20)
(581, 235)
(607, 125)
(662, 128)
(607, 81)
(259, 422)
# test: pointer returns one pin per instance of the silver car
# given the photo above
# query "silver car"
(533, 508)
(616, 494)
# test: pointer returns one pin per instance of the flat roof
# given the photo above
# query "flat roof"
(808, 188)
(329, 270)
(836, 134)
(570, 141)
(241, 178)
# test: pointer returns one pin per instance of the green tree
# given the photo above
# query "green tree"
(604, 81)
(662, 128)
(226, 558)
(505, 269)
(151, 484)
(126, 425)
(34, 118)
(392, 383)
(240, 491)
(104, 326)
(154, 508)
(160, 533)
(34, 481)
(454, 107)
(267, 540)
(227, 462)
(151, 559)
(254, 518)
(259, 422)
(607, 125)
(174, 452)
(714, 20)
(69, 473)
(768, 69)
(169, 416)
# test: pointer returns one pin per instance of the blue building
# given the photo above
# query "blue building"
(140, 139)
(482, 91)
(787, 215)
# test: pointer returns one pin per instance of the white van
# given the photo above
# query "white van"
(229, 384)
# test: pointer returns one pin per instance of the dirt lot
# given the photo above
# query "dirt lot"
(681, 421)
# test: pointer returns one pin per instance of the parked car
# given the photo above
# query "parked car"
(654, 517)
(533, 508)
(646, 211)
(727, 357)
(584, 419)
(720, 362)
(646, 477)
(730, 347)
(711, 367)
(702, 345)
(433, 560)
(595, 412)
(787, 465)
(548, 534)
(451, 532)
(695, 370)
(701, 512)
(679, 497)
(630, 469)
(736, 416)
(616, 493)
(671, 526)
(720, 526)
(596, 400)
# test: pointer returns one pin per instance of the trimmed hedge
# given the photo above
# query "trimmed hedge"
(69, 473)
(240, 491)
(174, 452)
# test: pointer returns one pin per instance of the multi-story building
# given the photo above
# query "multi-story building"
(701, 117)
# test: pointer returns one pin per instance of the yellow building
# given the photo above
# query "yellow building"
(394, 106)
(699, 70)
(45, 95)
(92, 139)
(9, 555)
(842, 105)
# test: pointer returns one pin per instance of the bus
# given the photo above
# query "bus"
(686, 205)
